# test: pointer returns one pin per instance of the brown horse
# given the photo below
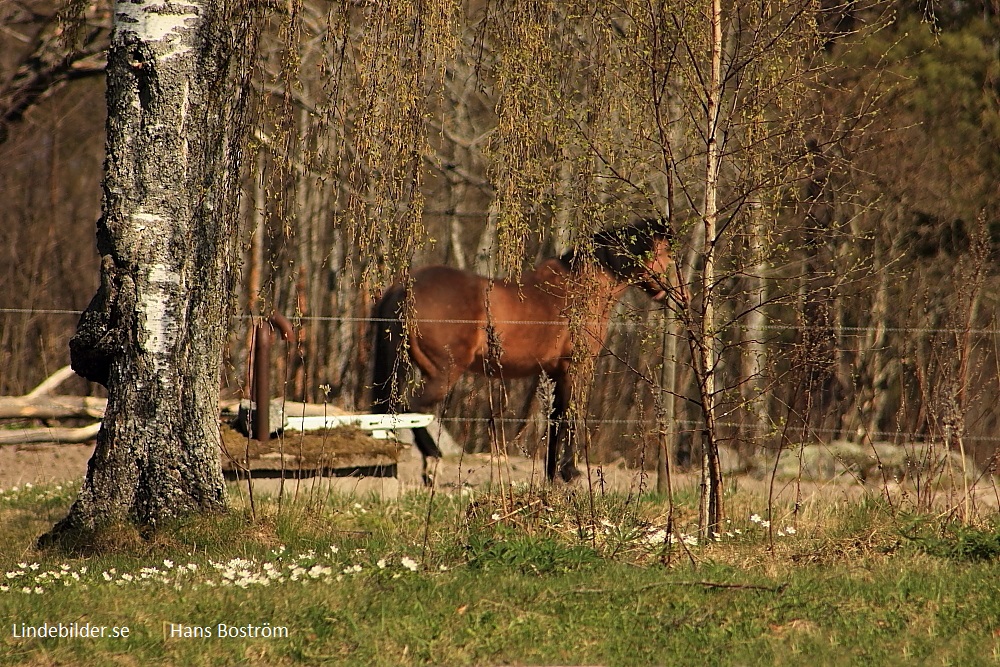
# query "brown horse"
(462, 322)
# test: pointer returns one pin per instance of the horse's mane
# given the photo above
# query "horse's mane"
(620, 250)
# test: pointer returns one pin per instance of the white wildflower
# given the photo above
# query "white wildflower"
(654, 537)
(408, 563)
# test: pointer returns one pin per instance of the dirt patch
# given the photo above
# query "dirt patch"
(42, 463)
(57, 463)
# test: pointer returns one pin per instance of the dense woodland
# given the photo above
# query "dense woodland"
(855, 291)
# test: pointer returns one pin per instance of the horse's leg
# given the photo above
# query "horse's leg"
(559, 457)
(434, 388)
(425, 442)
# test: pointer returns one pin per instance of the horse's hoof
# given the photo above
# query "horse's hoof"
(430, 470)
(569, 473)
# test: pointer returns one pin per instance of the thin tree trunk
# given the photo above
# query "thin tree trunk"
(711, 511)
(665, 453)
(486, 251)
(755, 351)
(155, 331)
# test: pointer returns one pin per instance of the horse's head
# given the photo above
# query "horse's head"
(638, 254)
(653, 278)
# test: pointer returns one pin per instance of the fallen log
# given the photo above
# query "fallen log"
(39, 403)
(51, 407)
(69, 436)
(67, 407)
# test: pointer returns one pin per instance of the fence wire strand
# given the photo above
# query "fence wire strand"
(621, 323)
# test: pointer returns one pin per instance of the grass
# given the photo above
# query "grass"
(517, 578)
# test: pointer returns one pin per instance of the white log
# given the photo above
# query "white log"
(51, 382)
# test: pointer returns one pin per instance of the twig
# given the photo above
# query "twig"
(718, 584)
(706, 584)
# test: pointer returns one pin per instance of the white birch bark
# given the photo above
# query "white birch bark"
(711, 498)
(155, 331)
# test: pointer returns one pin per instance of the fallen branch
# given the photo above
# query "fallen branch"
(717, 584)
(51, 407)
(24, 436)
(51, 382)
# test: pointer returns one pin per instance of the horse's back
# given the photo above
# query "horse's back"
(444, 293)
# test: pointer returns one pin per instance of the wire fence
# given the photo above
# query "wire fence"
(648, 424)
(618, 322)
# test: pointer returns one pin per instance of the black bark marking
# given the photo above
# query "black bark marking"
(102, 332)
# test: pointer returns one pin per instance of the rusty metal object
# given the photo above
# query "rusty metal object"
(261, 386)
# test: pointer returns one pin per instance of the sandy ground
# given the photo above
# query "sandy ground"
(42, 463)
(52, 463)
(57, 463)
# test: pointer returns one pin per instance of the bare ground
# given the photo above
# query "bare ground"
(44, 463)
(59, 462)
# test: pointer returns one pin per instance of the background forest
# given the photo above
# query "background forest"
(854, 289)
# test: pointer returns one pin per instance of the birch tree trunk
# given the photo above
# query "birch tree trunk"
(154, 332)
(711, 511)
(754, 361)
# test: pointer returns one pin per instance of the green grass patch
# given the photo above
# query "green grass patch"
(952, 539)
(513, 578)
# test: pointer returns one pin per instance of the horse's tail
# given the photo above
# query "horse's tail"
(388, 370)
